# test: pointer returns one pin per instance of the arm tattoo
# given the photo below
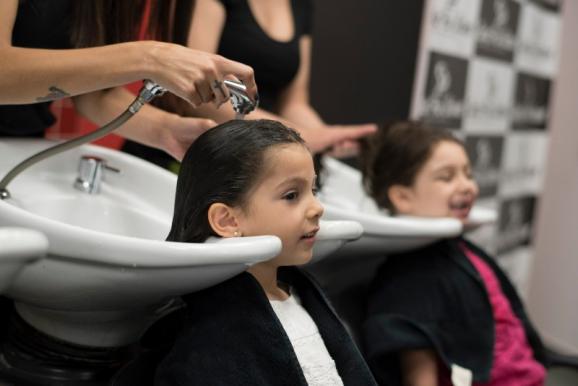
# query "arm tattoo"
(55, 93)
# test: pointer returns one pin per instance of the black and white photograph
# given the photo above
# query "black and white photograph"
(539, 31)
(515, 222)
(485, 154)
(488, 96)
(453, 26)
(498, 29)
(531, 102)
(445, 91)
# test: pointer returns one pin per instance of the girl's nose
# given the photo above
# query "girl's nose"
(468, 185)
(316, 209)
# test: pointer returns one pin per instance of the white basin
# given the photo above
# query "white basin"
(18, 248)
(344, 198)
(333, 235)
(109, 273)
(108, 268)
(480, 216)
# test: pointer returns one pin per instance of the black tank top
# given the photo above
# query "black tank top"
(275, 63)
(38, 24)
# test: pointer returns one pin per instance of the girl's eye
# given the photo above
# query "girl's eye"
(290, 196)
(445, 177)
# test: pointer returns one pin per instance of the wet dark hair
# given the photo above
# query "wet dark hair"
(395, 155)
(222, 165)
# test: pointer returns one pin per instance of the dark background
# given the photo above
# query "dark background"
(364, 58)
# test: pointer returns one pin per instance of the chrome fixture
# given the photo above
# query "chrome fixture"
(147, 93)
(242, 103)
(91, 170)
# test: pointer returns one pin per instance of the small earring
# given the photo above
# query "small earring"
(236, 234)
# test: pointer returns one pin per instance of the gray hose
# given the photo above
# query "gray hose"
(146, 94)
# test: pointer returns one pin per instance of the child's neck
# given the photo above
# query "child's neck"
(266, 275)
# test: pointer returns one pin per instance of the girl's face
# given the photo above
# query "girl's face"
(444, 186)
(283, 204)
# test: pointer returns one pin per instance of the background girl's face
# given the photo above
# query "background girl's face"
(444, 186)
(283, 203)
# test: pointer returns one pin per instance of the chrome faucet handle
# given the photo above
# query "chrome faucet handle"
(149, 91)
(241, 101)
(91, 174)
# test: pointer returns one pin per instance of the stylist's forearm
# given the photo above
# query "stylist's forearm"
(302, 114)
(34, 75)
(102, 107)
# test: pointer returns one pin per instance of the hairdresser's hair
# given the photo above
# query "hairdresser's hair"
(395, 155)
(100, 22)
(222, 166)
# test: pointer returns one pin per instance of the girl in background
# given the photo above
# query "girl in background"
(446, 313)
(270, 325)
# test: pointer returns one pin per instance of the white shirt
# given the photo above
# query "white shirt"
(317, 365)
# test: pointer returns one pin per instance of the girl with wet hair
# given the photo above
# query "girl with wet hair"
(446, 311)
(270, 325)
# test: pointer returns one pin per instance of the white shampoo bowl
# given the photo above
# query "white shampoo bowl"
(108, 272)
(18, 248)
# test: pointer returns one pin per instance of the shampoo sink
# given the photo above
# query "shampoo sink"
(108, 270)
(18, 248)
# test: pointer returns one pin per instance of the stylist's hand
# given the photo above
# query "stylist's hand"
(338, 140)
(181, 132)
(196, 76)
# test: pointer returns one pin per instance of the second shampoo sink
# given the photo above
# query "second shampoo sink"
(344, 198)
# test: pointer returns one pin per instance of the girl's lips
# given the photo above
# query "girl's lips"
(309, 240)
(310, 236)
(311, 233)
(461, 210)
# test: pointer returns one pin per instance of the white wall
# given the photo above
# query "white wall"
(553, 288)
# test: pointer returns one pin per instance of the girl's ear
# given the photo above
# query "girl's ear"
(223, 220)
(401, 197)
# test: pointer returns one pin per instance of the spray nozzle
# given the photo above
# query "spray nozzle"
(242, 103)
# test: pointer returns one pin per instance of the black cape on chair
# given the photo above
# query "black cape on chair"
(434, 298)
(231, 336)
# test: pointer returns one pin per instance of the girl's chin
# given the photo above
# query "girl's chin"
(299, 259)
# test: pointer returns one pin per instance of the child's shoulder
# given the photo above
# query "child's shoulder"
(427, 256)
(225, 294)
(477, 249)
(426, 266)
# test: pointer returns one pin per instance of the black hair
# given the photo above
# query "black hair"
(99, 22)
(395, 155)
(222, 165)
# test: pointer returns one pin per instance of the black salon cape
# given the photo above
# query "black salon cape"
(434, 298)
(231, 336)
